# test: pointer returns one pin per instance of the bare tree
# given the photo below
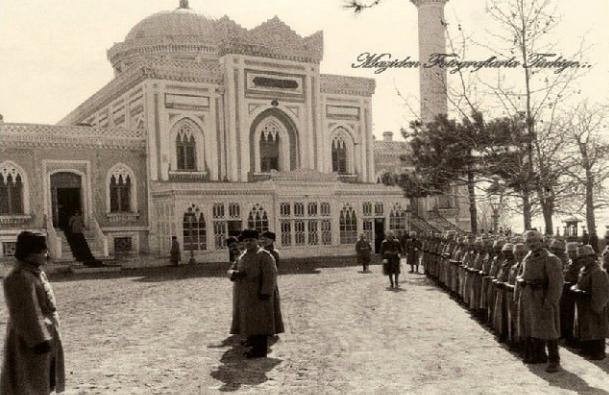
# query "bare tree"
(587, 158)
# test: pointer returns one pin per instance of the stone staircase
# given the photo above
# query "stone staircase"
(421, 226)
(66, 251)
(439, 222)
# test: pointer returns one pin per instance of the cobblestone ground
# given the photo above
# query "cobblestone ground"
(166, 332)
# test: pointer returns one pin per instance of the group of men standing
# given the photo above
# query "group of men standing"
(530, 290)
(256, 301)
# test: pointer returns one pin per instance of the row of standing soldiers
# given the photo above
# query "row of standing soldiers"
(531, 291)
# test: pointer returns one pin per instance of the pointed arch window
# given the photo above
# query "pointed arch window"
(269, 147)
(348, 225)
(121, 189)
(258, 219)
(194, 229)
(186, 151)
(11, 193)
(339, 155)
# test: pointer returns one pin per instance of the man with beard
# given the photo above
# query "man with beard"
(542, 283)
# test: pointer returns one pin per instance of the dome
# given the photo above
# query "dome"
(180, 22)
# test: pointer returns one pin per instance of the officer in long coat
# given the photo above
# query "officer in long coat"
(256, 275)
(33, 352)
(542, 282)
(592, 293)
(412, 248)
(567, 299)
(268, 243)
(605, 253)
(390, 251)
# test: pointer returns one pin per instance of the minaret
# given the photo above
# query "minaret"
(432, 40)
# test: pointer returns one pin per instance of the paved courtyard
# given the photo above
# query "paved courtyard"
(167, 332)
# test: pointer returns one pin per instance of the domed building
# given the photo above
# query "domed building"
(206, 128)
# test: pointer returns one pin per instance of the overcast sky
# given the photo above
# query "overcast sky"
(53, 52)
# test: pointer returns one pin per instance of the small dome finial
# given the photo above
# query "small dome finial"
(184, 4)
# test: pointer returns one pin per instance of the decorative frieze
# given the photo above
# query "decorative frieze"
(340, 84)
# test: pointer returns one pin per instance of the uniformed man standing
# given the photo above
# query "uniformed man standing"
(567, 299)
(363, 250)
(390, 251)
(605, 254)
(592, 293)
(542, 283)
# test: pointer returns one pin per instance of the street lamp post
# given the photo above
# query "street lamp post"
(494, 197)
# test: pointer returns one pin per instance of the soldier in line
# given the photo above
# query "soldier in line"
(592, 293)
(491, 269)
(542, 282)
(557, 247)
(390, 251)
(500, 309)
(567, 300)
(519, 250)
(363, 250)
(413, 246)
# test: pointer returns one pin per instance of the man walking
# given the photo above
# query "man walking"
(390, 251)
(363, 250)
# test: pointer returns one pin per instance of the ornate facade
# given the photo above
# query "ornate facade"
(206, 128)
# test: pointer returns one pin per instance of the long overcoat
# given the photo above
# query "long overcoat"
(256, 315)
(390, 250)
(541, 304)
(32, 319)
(592, 321)
(279, 328)
(363, 250)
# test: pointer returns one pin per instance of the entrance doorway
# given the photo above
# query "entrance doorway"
(379, 233)
(66, 196)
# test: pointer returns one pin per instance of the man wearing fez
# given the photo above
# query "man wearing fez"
(542, 282)
(256, 275)
(592, 294)
(363, 250)
(267, 240)
(33, 352)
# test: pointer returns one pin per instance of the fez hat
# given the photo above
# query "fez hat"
(586, 250)
(269, 235)
(231, 240)
(557, 244)
(507, 247)
(29, 243)
(248, 234)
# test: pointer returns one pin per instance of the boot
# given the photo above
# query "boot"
(553, 367)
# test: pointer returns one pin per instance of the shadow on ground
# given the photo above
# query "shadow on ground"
(236, 371)
(565, 380)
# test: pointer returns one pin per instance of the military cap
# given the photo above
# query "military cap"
(507, 247)
(248, 234)
(557, 244)
(269, 235)
(29, 243)
(586, 250)
(572, 246)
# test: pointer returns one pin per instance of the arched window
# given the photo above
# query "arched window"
(348, 225)
(269, 152)
(397, 219)
(339, 155)
(11, 190)
(186, 151)
(258, 219)
(194, 230)
(121, 188)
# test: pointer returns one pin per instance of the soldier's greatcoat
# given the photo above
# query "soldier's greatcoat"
(592, 320)
(541, 289)
(256, 316)
(32, 320)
